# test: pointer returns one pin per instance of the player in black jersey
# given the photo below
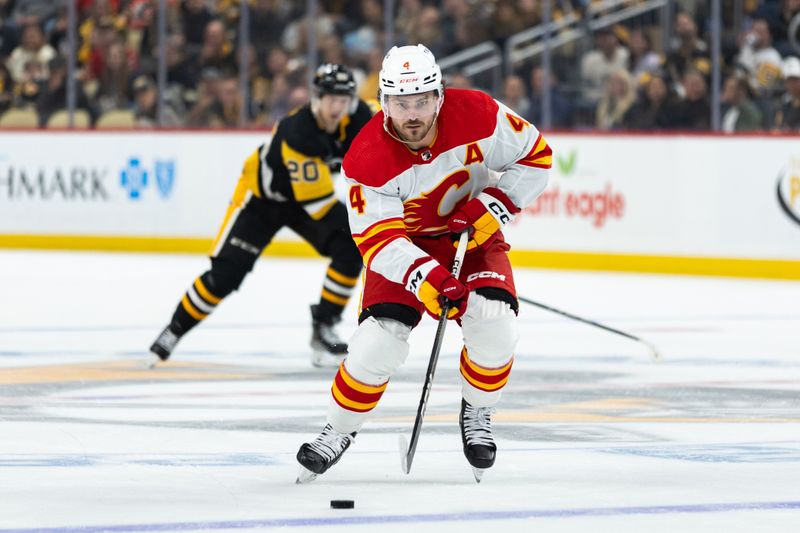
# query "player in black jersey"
(288, 182)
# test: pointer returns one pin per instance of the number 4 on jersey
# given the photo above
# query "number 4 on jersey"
(357, 199)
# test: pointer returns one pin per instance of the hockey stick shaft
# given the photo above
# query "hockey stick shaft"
(652, 348)
(461, 250)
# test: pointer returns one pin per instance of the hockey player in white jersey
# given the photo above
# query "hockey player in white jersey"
(420, 173)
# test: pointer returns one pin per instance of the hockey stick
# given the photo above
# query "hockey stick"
(653, 352)
(407, 450)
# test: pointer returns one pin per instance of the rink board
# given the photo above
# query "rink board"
(677, 204)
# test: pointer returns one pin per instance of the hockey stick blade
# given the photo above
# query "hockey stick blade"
(651, 348)
(403, 442)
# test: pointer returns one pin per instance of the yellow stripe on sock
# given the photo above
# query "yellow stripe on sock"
(197, 315)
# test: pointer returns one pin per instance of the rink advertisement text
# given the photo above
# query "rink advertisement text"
(635, 196)
(69, 184)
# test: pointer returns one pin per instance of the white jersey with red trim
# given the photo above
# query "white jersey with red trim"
(396, 194)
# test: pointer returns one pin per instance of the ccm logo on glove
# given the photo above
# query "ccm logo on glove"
(431, 283)
(483, 217)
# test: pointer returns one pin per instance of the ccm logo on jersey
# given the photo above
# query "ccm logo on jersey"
(485, 274)
(500, 210)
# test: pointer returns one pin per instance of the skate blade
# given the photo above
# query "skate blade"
(151, 361)
(326, 360)
(404, 454)
(305, 476)
(478, 473)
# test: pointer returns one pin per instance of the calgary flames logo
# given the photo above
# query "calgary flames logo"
(428, 214)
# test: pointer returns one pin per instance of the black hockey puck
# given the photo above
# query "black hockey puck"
(342, 504)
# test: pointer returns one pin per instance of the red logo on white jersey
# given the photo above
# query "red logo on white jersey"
(428, 214)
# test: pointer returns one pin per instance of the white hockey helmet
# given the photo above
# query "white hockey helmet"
(409, 70)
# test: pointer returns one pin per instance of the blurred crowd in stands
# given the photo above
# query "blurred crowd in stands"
(621, 78)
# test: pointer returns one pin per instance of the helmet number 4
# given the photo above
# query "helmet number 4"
(356, 197)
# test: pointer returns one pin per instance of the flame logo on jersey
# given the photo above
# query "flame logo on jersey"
(428, 214)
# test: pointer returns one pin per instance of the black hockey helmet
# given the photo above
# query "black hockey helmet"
(331, 78)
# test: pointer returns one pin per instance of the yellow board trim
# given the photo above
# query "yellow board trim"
(660, 264)
(103, 243)
(654, 264)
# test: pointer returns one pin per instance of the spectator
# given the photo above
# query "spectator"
(32, 48)
(760, 60)
(113, 91)
(514, 95)
(740, 114)
(53, 92)
(179, 68)
(615, 102)
(406, 19)
(26, 91)
(506, 20)
(276, 64)
(368, 90)
(457, 80)
(195, 17)
(268, 18)
(693, 111)
(145, 106)
(653, 107)
(359, 42)
(27, 12)
(217, 51)
(294, 37)
(598, 64)
(279, 102)
(687, 52)
(643, 62)
(427, 28)
(6, 88)
(101, 28)
(332, 50)
(779, 15)
(788, 116)
(561, 110)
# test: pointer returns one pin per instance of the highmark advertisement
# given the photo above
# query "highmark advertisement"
(117, 183)
(700, 197)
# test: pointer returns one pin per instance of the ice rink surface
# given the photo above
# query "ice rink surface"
(592, 434)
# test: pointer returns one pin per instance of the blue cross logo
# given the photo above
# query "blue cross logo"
(133, 178)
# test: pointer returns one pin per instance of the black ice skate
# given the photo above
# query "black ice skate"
(328, 350)
(163, 346)
(317, 456)
(476, 434)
